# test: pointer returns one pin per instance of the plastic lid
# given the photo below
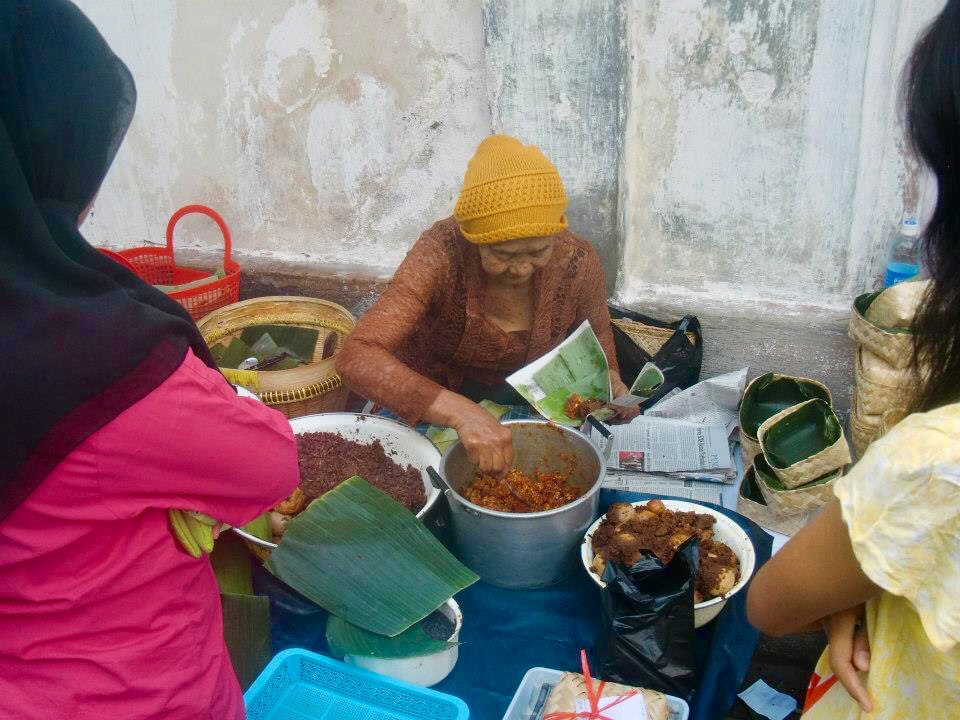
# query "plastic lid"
(910, 227)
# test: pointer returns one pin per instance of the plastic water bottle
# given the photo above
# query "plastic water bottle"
(904, 259)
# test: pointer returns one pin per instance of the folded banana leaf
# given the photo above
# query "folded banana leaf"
(246, 631)
(811, 429)
(300, 341)
(771, 393)
(232, 354)
(362, 556)
(347, 639)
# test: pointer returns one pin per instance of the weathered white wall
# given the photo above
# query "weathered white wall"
(764, 165)
(331, 131)
(737, 159)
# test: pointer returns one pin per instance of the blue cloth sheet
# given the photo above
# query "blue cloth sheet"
(507, 632)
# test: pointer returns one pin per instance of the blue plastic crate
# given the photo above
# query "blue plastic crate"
(301, 685)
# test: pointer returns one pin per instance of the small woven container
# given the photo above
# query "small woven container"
(749, 448)
(794, 502)
(809, 469)
(896, 347)
(749, 445)
(305, 390)
(763, 514)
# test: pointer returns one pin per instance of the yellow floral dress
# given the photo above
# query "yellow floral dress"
(901, 504)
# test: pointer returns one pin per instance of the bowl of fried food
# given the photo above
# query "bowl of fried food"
(659, 527)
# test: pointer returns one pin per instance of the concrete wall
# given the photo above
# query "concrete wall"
(738, 159)
(325, 132)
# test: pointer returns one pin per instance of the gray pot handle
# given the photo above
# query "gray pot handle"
(440, 483)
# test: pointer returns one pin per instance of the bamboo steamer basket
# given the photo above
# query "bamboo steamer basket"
(305, 390)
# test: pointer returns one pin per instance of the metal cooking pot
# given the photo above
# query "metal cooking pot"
(525, 550)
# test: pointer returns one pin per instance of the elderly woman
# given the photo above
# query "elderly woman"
(478, 296)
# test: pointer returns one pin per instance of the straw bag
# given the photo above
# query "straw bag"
(311, 388)
(832, 457)
(206, 292)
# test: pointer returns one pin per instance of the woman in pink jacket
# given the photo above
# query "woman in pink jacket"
(112, 414)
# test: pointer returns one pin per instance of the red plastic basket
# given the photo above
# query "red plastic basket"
(156, 265)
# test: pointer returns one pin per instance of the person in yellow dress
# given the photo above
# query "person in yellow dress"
(880, 567)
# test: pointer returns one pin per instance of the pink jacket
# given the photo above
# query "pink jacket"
(102, 615)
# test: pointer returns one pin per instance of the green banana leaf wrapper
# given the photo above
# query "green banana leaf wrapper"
(365, 558)
(772, 393)
(803, 443)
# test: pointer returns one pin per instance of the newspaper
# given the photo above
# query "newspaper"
(711, 402)
(669, 446)
(577, 366)
(686, 489)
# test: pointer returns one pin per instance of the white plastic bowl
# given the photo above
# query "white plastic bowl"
(422, 670)
(725, 530)
(402, 443)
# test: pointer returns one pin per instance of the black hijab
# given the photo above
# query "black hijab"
(83, 339)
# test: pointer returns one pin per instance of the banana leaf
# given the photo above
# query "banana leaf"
(260, 527)
(362, 556)
(764, 473)
(809, 430)
(246, 631)
(347, 639)
(298, 340)
(230, 356)
(769, 394)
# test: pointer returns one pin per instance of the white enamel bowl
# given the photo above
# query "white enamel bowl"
(725, 530)
(404, 445)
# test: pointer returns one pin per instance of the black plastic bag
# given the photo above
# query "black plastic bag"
(680, 359)
(648, 628)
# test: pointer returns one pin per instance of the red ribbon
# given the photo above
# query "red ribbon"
(593, 696)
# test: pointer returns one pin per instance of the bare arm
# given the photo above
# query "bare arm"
(815, 575)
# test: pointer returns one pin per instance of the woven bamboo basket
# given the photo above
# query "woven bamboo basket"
(864, 429)
(805, 471)
(749, 445)
(754, 505)
(880, 386)
(893, 345)
(800, 501)
(649, 337)
(305, 390)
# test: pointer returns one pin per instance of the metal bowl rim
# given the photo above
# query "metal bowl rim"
(544, 513)
(432, 497)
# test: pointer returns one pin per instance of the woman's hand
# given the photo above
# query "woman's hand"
(622, 414)
(489, 444)
(849, 652)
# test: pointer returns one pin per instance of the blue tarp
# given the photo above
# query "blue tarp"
(507, 632)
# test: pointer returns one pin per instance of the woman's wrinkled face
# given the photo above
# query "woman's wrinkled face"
(515, 261)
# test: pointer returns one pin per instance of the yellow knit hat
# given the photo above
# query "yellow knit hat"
(511, 191)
